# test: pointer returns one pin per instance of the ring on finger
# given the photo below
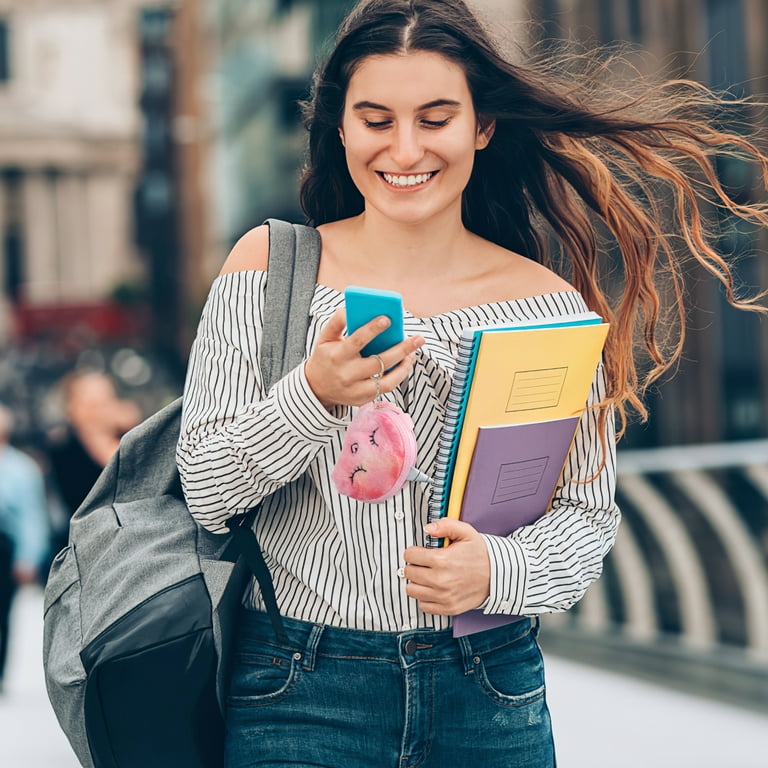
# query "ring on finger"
(383, 367)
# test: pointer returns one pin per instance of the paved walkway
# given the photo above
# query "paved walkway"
(606, 720)
(602, 720)
(29, 733)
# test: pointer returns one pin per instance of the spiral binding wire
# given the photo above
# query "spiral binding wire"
(451, 430)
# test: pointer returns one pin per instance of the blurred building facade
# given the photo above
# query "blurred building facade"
(264, 55)
(69, 124)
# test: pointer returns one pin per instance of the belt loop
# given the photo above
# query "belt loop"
(310, 652)
(467, 654)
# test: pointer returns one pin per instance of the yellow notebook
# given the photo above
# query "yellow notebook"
(513, 374)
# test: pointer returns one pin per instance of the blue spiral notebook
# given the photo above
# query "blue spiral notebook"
(536, 375)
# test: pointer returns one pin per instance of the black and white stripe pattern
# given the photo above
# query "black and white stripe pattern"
(339, 561)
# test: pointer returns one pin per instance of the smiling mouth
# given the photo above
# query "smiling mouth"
(403, 181)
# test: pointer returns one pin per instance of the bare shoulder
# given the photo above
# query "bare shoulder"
(251, 251)
(541, 279)
(523, 276)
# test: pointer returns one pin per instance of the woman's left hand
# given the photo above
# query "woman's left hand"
(449, 580)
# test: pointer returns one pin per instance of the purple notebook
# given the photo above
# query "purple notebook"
(514, 471)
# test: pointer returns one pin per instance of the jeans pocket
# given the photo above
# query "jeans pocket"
(263, 677)
(512, 674)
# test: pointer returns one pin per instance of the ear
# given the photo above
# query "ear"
(485, 130)
(341, 136)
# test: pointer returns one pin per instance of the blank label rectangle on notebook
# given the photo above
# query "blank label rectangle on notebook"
(519, 479)
(536, 389)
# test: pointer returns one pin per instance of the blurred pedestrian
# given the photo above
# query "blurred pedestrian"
(24, 529)
(96, 419)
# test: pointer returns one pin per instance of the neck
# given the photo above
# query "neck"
(410, 251)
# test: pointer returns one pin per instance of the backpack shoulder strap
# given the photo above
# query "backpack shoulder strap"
(294, 255)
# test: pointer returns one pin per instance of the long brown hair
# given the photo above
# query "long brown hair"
(607, 180)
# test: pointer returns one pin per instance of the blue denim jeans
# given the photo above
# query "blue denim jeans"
(341, 698)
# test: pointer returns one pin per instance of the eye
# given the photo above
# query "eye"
(354, 447)
(354, 472)
(372, 438)
(377, 125)
(436, 123)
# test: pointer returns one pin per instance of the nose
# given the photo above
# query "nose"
(406, 147)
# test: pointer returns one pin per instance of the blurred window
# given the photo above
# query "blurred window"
(155, 25)
(156, 74)
(607, 21)
(11, 237)
(5, 54)
(635, 21)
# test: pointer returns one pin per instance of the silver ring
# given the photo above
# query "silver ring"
(383, 367)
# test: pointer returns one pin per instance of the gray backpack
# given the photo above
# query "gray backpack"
(141, 605)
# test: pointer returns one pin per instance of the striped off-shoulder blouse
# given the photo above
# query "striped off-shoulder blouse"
(339, 561)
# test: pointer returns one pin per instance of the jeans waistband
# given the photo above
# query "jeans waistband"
(312, 640)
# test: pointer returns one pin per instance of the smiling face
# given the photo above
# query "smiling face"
(410, 132)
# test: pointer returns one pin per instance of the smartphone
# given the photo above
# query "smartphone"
(364, 304)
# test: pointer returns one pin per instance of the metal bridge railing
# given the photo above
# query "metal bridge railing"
(684, 594)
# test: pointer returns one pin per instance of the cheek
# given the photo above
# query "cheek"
(460, 150)
(360, 153)
(360, 143)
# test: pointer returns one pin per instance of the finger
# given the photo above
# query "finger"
(421, 577)
(396, 364)
(382, 366)
(423, 594)
(395, 375)
(448, 528)
(422, 557)
(366, 333)
(333, 330)
(430, 601)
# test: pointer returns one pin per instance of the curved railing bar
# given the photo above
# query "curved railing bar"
(636, 585)
(594, 615)
(696, 610)
(742, 552)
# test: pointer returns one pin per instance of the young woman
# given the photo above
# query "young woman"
(440, 170)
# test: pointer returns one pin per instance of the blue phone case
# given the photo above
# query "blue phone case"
(363, 304)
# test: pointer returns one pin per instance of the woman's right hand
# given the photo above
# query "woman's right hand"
(339, 375)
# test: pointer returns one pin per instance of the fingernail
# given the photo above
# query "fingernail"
(430, 527)
(384, 322)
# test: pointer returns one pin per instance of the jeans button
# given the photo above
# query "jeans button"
(410, 647)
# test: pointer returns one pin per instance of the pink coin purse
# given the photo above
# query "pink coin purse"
(379, 454)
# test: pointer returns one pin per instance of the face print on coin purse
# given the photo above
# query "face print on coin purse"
(378, 456)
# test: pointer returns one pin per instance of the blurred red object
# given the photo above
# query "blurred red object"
(105, 321)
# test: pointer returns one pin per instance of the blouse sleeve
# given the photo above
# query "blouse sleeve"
(239, 443)
(548, 566)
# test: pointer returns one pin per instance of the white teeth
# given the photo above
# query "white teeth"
(407, 181)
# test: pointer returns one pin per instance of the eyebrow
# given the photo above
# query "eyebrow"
(429, 105)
